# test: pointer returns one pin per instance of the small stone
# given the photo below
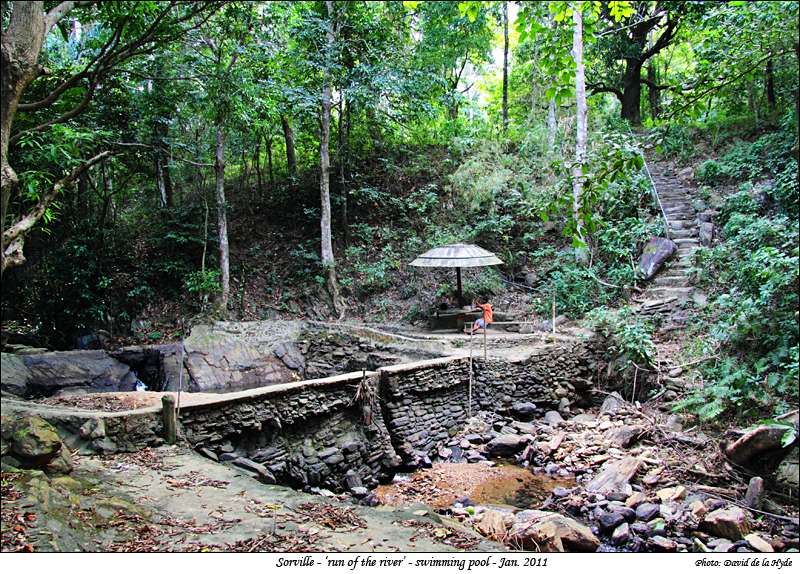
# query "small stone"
(553, 418)
(723, 547)
(561, 492)
(610, 520)
(647, 511)
(359, 491)
(676, 372)
(729, 522)
(635, 499)
(698, 509)
(661, 544)
(658, 527)
(758, 543)
(755, 493)
(640, 529)
(621, 534)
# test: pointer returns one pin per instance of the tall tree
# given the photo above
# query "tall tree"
(581, 118)
(288, 136)
(505, 66)
(127, 31)
(328, 260)
(646, 30)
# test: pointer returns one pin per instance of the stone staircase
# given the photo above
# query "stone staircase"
(670, 293)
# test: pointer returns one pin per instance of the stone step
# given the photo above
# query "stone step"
(680, 293)
(687, 242)
(682, 233)
(671, 281)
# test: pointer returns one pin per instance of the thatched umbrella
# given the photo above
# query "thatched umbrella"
(458, 255)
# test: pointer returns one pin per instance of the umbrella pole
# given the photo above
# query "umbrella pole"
(458, 287)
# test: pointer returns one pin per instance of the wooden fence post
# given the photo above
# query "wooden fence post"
(170, 420)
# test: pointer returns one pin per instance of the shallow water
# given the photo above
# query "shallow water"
(447, 483)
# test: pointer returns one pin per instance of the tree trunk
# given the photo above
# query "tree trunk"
(505, 67)
(580, 130)
(328, 261)
(288, 134)
(257, 164)
(653, 95)
(552, 124)
(20, 46)
(632, 92)
(222, 218)
(270, 173)
(342, 134)
(770, 82)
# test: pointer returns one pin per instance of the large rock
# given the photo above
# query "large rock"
(219, 360)
(551, 532)
(15, 374)
(655, 253)
(788, 473)
(706, 233)
(507, 444)
(46, 374)
(615, 476)
(729, 522)
(759, 447)
(32, 442)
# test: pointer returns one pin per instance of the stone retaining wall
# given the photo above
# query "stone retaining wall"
(348, 430)
(305, 433)
(426, 403)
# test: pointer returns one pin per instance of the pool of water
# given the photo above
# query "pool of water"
(447, 483)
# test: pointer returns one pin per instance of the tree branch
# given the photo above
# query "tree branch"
(14, 236)
(602, 88)
(652, 85)
(730, 80)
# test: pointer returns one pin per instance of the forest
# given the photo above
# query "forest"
(171, 167)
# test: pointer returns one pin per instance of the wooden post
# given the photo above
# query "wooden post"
(485, 327)
(460, 296)
(469, 397)
(170, 420)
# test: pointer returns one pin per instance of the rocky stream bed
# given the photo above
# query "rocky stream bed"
(621, 477)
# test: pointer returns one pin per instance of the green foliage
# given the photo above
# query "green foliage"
(203, 282)
(709, 172)
(630, 337)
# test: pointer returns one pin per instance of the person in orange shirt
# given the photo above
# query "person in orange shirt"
(486, 318)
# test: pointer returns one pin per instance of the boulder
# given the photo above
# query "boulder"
(553, 418)
(15, 374)
(788, 473)
(758, 447)
(611, 404)
(729, 522)
(45, 374)
(615, 476)
(655, 253)
(523, 410)
(551, 532)
(706, 233)
(32, 442)
(219, 360)
(507, 444)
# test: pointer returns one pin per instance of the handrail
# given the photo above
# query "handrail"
(654, 191)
